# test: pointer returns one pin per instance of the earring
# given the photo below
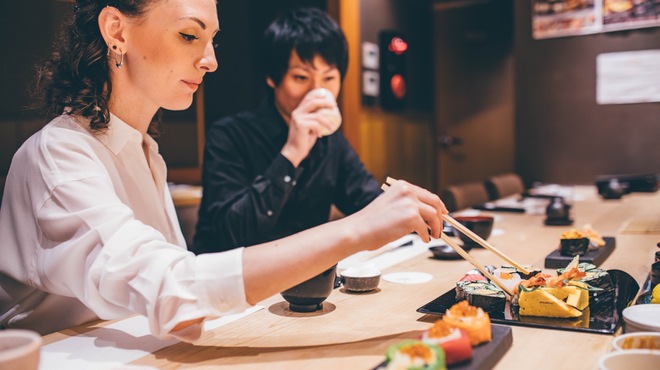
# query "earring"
(119, 63)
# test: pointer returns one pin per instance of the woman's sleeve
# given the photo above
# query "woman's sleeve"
(94, 249)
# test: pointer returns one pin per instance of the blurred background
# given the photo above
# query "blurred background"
(475, 95)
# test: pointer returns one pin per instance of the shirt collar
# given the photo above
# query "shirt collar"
(119, 133)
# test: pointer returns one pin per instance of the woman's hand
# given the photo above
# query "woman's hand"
(402, 209)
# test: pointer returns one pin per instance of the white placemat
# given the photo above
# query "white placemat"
(115, 345)
(390, 254)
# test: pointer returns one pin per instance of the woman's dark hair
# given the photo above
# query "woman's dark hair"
(76, 78)
(308, 31)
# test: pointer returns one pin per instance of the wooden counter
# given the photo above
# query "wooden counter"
(353, 330)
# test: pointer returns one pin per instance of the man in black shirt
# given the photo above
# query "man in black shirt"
(276, 171)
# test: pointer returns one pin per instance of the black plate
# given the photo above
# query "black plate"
(485, 355)
(603, 318)
(596, 257)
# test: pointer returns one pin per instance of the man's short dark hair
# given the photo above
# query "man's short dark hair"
(308, 31)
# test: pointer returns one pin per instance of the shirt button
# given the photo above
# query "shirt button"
(287, 178)
(293, 183)
(269, 213)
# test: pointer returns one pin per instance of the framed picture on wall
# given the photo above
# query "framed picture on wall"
(557, 18)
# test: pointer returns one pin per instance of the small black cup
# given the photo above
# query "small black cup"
(558, 212)
(309, 295)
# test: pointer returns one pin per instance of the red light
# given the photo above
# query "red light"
(397, 46)
(398, 86)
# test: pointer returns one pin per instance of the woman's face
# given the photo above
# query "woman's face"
(168, 52)
(301, 78)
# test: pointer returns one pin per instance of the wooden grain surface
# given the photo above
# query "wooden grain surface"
(354, 330)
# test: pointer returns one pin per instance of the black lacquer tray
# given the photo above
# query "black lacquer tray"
(596, 257)
(485, 355)
(603, 317)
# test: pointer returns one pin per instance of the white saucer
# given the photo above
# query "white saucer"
(407, 277)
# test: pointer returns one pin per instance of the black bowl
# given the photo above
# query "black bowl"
(481, 225)
(309, 295)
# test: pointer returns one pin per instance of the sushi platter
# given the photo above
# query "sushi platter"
(603, 316)
(596, 256)
(486, 355)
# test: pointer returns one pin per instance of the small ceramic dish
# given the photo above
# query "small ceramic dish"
(638, 359)
(643, 317)
(362, 279)
(637, 340)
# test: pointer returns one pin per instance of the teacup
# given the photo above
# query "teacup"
(19, 349)
(481, 225)
(309, 295)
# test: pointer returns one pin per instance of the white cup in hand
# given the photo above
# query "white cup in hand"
(331, 114)
(19, 349)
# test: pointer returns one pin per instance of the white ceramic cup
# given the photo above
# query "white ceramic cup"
(637, 340)
(637, 359)
(19, 349)
(331, 114)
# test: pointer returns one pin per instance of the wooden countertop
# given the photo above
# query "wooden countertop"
(354, 330)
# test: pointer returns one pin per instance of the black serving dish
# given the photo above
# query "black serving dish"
(595, 257)
(602, 318)
(485, 355)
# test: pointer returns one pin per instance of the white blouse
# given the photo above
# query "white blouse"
(88, 230)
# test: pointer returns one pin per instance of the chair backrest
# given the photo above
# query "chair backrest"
(503, 185)
(465, 195)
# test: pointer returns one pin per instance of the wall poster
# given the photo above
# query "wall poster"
(557, 18)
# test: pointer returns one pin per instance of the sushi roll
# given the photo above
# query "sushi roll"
(510, 278)
(532, 270)
(481, 294)
(601, 287)
(473, 320)
(415, 355)
(454, 341)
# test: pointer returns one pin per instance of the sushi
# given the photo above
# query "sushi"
(454, 341)
(481, 294)
(473, 320)
(531, 271)
(599, 282)
(412, 354)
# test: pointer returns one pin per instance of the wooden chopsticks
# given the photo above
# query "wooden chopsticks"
(483, 243)
(390, 181)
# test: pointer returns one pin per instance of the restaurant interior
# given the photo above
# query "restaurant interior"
(483, 100)
(483, 96)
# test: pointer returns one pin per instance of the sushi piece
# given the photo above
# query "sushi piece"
(481, 294)
(532, 270)
(508, 277)
(601, 287)
(454, 341)
(473, 278)
(415, 355)
(473, 320)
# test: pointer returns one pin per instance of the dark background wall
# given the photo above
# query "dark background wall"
(562, 134)
(237, 84)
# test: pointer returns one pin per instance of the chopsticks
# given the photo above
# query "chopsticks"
(390, 181)
(483, 243)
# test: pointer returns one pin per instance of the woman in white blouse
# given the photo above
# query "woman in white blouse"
(87, 225)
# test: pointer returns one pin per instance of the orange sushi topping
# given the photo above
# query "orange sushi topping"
(417, 350)
(440, 329)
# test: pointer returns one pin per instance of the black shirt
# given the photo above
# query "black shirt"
(253, 194)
